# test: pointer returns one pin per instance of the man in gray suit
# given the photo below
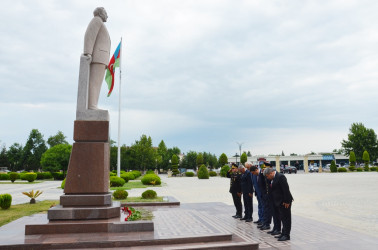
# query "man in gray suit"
(97, 49)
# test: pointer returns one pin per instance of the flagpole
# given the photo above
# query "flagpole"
(119, 116)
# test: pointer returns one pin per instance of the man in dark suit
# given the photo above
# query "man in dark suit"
(282, 200)
(261, 194)
(235, 189)
(247, 189)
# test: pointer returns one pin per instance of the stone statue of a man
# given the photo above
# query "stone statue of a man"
(97, 49)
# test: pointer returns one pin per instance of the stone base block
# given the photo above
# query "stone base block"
(83, 213)
(89, 227)
(91, 131)
(82, 200)
(88, 169)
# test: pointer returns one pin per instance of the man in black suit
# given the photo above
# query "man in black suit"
(282, 200)
(247, 189)
(235, 189)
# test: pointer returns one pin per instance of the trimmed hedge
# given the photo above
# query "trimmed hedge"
(40, 176)
(58, 176)
(150, 172)
(149, 194)
(30, 177)
(136, 173)
(120, 194)
(341, 169)
(5, 201)
(373, 169)
(352, 168)
(189, 174)
(224, 170)
(116, 181)
(212, 173)
(359, 169)
(128, 176)
(14, 176)
(151, 179)
(112, 174)
(63, 183)
(4, 177)
(203, 173)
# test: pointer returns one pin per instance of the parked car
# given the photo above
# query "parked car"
(313, 169)
(290, 169)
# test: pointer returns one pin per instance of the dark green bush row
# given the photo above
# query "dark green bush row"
(189, 174)
(373, 169)
(58, 176)
(203, 173)
(341, 169)
(359, 169)
(116, 181)
(151, 179)
(352, 168)
(14, 176)
(4, 177)
(149, 194)
(5, 201)
(212, 173)
(224, 170)
(120, 194)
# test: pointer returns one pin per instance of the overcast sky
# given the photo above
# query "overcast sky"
(200, 75)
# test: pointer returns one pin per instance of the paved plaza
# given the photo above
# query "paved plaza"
(330, 211)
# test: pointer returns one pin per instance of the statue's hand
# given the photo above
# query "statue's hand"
(89, 57)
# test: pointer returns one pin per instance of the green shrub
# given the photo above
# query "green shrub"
(5, 201)
(151, 179)
(212, 173)
(150, 172)
(352, 168)
(149, 194)
(373, 169)
(112, 174)
(47, 175)
(63, 183)
(4, 177)
(40, 176)
(22, 176)
(136, 173)
(30, 177)
(128, 176)
(58, 176)
(14, 176)
(359, 169)
(333, 167)
(120, 194)
(189, 174)
(341, 169)
(203, 173)
(366, 168)
(224, 170)
(116, 181)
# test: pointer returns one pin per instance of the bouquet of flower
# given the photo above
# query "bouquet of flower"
(132, 214)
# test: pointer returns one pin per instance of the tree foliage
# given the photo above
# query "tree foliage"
(199, 159)
(366, 159)
(57, 139)
(56, 158)
(223, 160)
(360, 139)
(352, 158)
(143, 153)
(174, 161)
(33, 150)
(189, 161)
(333, 167)
(15, 157)
(243, 158)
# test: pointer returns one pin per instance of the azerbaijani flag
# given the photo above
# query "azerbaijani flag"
(110, 70)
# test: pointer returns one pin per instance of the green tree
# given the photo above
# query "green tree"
(57, 139)
(34, 148)
(243, 158)
(15, 157)
(333, 167)
(203, 173)
(190, 160)
(366, 159)
(212, 161)
(352, 159)
(249, 153)
(144, 153)
(199, 160)
(360, 139)
(4, 162)
(223, 160)
(282, 154)
(56, 158)
(174, 162)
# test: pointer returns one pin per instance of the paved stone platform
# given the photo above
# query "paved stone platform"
(203, 219)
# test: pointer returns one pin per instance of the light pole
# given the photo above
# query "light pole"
(240, 146)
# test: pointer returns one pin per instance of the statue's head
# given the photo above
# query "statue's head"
(101, 12)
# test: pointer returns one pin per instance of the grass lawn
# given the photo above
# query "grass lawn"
(17, 211)
(133, 184)
(20, 182)
(140, 199)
